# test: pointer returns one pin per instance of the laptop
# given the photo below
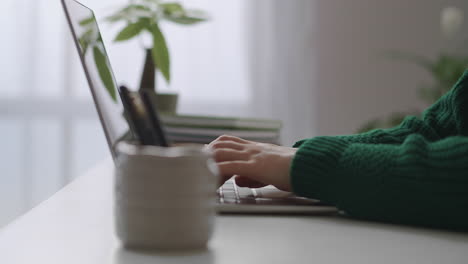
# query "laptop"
(101, 80)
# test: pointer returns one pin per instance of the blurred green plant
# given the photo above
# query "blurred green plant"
(92, 40)
(144, 16)
(445, 70)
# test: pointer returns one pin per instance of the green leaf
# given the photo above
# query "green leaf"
(172, 8)
(87, 21)
(130, 31)
(114, 18)
(119, 15)
(104, 72)
(160, 52)
(84, 44)
(185, 20)
(85, 40)
(131, 12)
(139, 7)
(189, 17)
(197, 13)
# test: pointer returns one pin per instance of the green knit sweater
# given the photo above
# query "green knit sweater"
(415, 173)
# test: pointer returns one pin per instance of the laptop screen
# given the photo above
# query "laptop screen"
(98, 70)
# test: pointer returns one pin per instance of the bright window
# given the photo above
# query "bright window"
(49, 125)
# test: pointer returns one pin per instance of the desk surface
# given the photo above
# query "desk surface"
(76, 226)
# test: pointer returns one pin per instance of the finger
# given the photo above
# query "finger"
(228, 138)
(231, 138)
(221, 155)
(226, 144)
(238, 167)
(242, 181)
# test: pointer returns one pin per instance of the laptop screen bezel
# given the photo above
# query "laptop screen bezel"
(87, 74)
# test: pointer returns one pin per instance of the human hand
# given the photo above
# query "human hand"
(254, 164)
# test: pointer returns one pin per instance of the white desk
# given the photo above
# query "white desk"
(76, 226)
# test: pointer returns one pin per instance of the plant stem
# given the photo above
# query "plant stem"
(148, 78)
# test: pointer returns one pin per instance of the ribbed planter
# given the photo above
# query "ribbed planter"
(165, 102)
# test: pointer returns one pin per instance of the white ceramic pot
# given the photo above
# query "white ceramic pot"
(164, 197)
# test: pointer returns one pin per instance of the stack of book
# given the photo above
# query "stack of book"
(204, 129)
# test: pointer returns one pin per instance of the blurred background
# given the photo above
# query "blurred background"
(318, 65)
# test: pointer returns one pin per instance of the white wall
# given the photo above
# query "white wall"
(355, 83)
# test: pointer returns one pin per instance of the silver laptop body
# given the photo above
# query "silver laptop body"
(93, 55)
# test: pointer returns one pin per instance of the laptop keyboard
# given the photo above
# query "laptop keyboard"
(230, 193)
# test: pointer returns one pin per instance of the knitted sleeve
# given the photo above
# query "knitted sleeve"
(416, 173)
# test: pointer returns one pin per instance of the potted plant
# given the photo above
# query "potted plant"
(144, 17)
(445, 70)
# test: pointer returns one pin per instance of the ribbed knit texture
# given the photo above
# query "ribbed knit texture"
(415, 173)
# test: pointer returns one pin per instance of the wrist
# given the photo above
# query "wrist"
(285, 178)
(314, 168)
